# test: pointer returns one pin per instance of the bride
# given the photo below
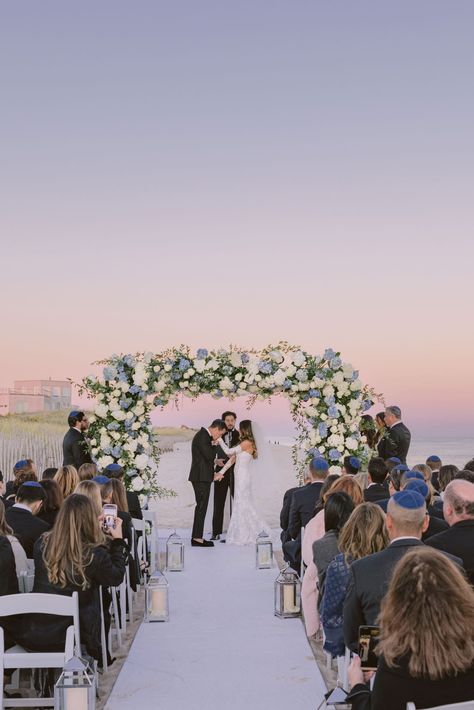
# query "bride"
(245, 523)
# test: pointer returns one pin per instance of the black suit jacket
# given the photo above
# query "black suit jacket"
(375, 492)
(285, 509)
(396, 442)
(134, 507)
(435, 527)
(458, 540)
(26, 526)
(302, 507)
(8, 578)
(203, 457)
(75, 449)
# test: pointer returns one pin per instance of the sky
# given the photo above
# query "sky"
(246, 172)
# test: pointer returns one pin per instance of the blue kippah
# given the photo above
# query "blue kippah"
(414, 474)
(101, 480)
(319, 464)
(20, 464)
(74, 413)
(113, 467)
(394, 459)
(401, 467)
(32, 484)
(418, 486)
(411, 500)
(354, 462)
(434, 459)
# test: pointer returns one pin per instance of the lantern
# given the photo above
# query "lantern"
(263, 552)
(156, 597)
(174, 554)
(75, 688)
(287, 594)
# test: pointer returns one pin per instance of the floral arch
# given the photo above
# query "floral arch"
(325, 395)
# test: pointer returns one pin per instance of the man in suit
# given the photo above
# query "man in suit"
(394, 480)
(376, 488)
(75, 446)
(370, 576)
(285, 509)
(302, 509)
(458, 509)
(21, 517)
(231, 438)
(396, 441)
(436, 525)
(202, 474)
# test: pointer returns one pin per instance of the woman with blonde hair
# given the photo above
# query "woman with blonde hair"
(426, 647)
(67, 479)
(10, 545)
(91, 489)
(363, 534)
(87, 471)
(75, 556)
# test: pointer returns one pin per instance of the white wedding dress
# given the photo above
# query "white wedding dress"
(245, 523)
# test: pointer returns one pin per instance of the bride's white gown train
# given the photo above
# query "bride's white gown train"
(245, 523)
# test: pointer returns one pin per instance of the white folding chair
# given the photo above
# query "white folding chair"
(140, 526)
(115, 625)
(150, 517)
(302, 568)
(18, 657)
(103, 639)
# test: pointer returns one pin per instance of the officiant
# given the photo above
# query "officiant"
(231, 439)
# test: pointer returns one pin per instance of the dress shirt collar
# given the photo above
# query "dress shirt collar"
(404, 537)
(394, 425)
(22, 506)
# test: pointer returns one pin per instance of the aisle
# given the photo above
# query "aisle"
(223, 647)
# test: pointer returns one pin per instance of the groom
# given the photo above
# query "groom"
(204, 454)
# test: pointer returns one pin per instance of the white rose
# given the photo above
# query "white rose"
(356, 385)
(328, 391)
(299, 359)
(105, 441)
(95, 451)
(104, 461)
(101, 411)
(337, 470)
(249, 378)
(116, 393)
(236, 359)
(156, 368)
(322, 449)
(291, 371)
(136, 426)
(225, 384)
(115, 435)
(124, 386)
(191, 371)
(131, 446)
(199, 365)
(141, 461)
(311, 411)
(167, 367)
(137, 484)
(238, 377)
(351, 443)
(279, 377)
(347, 370)
(119, 415)
(211, 365)
(183, 385)
(243, 386)
(303, 386)
(295, 388)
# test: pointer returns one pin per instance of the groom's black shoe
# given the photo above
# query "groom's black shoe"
(204, 543)
(216, 537)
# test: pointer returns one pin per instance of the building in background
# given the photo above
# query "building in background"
(29, 396)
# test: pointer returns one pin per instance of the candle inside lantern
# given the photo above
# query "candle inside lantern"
(264, 555)
(175, 558)
(158, 602)
(75, 699)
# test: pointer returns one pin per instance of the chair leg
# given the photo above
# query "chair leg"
(116, 616)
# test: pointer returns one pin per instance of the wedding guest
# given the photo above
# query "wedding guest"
(426, 642)
(337, 511)
(394, 461)
(376, 488)
(87, 471)
(435, 463)
(469, 466)
(48, 474)
(12, 562)
(351, 465)
(20, 469)
(394, 480)
(75, 556)
(396, 442)
(369, 430)
(21, 564)
(285, 509)
(22, 516)
(23, 477)
(114, 492)
(75, 445)
(91, 490)
(465, 475)
(424, 469)
(52, 502)
(436, 525)
(67, 480)
(458, 539)
(363, 534)
(362, 479)
(114, 470)
(445, 476)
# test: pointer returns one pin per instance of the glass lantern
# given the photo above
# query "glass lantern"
(287, 594)
(75, 688)
(263, 552)
(156, 598)
(174, 553)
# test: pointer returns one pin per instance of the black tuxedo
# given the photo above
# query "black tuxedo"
(75, 449)
(435, 527)
(369, 578)
(458, 540)
(201, 476)
(26, 526)
(285, 513)
(375, 492)
(231, 438)
(396, 442)
(302, 507)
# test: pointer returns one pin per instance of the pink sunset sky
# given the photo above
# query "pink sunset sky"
(218, 172)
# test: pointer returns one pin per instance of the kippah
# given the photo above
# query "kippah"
(74, 413)
(434, 459)
(401, 467)
(113, 467)
(319, 464)
(32, 484)
(411, 500)
(21, 464)
(394, 459)
(101, 480)
(414, 474)
(354, 462)
(418, 486)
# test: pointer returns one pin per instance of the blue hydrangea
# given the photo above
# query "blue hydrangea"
(245, 358)
(176, 376)
(129, 360)
(227, 370)
(322, 429)
(218, 394)
(333, 411)
(107, 450)
(202, 354)
(116, 452)
(134, 389)
(355, 375)
(334, 454)
(125, 402)
(367, 404)
(329, 354)
(335, 363)
(265, 367)
(123, 377)
(184, 364)
(302, 376)
(314, 452)
(109, 373)
(315, 394)
(330, 400)
(159, 402)
(113, 426)
(287, 384)
(306, 398)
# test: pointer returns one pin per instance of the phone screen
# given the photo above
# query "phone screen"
(110, 513)
(368, 637)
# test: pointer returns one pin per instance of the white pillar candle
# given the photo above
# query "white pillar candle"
(75, 699)
(175, 558)
(288, 598)
(158, 602)
(264, 555)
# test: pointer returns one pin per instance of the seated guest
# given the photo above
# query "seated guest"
(19, 554)
(114, 492)
(23, 477)
(48, 474)
(351, 465)
(22, 516)
(376, 488)
(465, 475)
(10, 567)
(436, 525)
(285, 509)
(25, 466)
(392, 462)
(435, 463)
(458, 507)
(426, 647)
(75, 556)
(363, 534)
(52, 503)
(469, 466)
(426, 471)
(92, 490)
(446, 474)
(114, 470)
(67, 479)
(337, 512)
(394, 481)
(362, 479)
(87, 471)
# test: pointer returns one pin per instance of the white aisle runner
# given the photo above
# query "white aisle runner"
(223, 648)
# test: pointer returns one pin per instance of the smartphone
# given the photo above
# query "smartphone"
(109, 511)
(368, 637)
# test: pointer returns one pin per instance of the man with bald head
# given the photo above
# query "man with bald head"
(458, 510)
